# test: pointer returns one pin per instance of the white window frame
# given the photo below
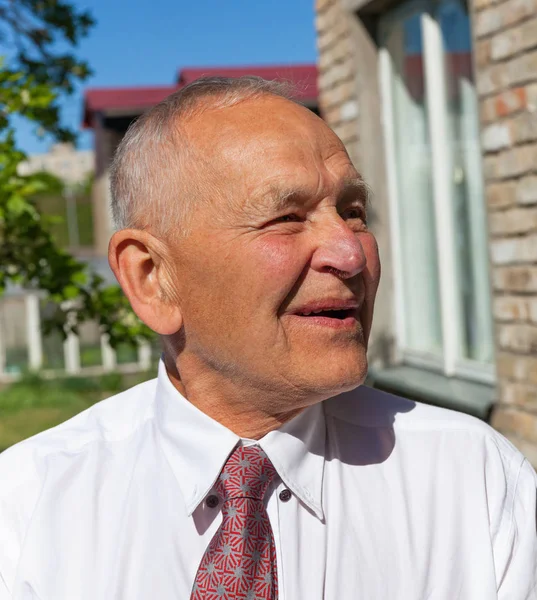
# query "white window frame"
(450, 362)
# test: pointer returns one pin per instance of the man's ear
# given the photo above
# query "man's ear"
(135, 257)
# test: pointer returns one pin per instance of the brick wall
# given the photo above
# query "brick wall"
(337, 74)
(506, 76)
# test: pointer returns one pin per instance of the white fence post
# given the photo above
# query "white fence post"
(33, 332)
(71, 350)
(108, 354)
(144, 355)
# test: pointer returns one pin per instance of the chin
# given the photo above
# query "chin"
(337, 374)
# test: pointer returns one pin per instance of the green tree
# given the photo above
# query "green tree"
(34, 74)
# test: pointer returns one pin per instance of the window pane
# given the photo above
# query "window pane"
(402, 37)
(467, 182)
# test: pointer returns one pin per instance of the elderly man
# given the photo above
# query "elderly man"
(255, 466)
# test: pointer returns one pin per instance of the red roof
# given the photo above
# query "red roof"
(304, 78)
(128, 99)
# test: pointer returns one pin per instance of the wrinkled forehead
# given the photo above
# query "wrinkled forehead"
(261, 142)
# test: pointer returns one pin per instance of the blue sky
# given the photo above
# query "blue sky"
(145, 42)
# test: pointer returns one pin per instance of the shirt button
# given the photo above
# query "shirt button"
(285, 495)
(212, 501)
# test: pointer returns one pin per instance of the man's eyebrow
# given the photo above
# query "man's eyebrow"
(282, 198)
(358, 188)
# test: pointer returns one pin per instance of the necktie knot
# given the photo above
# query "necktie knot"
(247, 474)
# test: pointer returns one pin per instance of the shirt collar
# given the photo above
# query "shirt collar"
(197, 447)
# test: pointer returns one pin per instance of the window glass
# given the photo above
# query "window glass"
(402, 37)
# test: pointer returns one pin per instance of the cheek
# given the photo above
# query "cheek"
(279, 263)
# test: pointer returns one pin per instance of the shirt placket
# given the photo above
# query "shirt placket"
(273, 511)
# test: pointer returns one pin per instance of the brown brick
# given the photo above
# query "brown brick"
(515, 11)
(522, 69)
(325, 61)
(326, 19)
(336, 72)
(482, 53)
(487, 21)
(532, 310)
(529, 33)
(519, 394)
(518, 337)
(488, 110)
(506, 43)
(526, 191)
(338, 32)
(515, 279)
(524, 127)
(350, 110)
(517, 367)
(332, 82)
(501, 195)
(496, 136)
(481, 4)
(510, 101)
(529, 364)
(336, 54)
(322, 5)
(520, 249)
(516, 220)
(347, 132)
(514, 162)
(511, 308)
(332, 114)
(321, 19)
(490, 168)
(531, 92)
(494, 79)
(340, 93)
(516, 422)
(506, 366)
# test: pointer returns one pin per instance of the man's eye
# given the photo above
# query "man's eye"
(354, 213)
(291, 218)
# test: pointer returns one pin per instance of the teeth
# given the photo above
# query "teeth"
(306, 313)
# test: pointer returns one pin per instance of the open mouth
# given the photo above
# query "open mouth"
(335, 313)
(332, 317)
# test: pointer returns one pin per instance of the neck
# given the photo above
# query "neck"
(246, 411)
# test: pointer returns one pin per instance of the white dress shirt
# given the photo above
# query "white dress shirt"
(389, 500)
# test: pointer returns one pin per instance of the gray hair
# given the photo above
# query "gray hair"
(149, 185)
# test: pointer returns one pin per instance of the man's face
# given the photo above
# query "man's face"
(277, 276)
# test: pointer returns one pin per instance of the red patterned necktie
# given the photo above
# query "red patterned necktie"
(240, 562)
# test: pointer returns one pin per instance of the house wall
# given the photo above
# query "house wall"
(505, 57)
(505, 40)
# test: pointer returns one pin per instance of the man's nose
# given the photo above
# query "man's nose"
(339, 250)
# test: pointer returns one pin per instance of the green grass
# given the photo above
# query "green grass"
(34, 404)
(91, 355)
